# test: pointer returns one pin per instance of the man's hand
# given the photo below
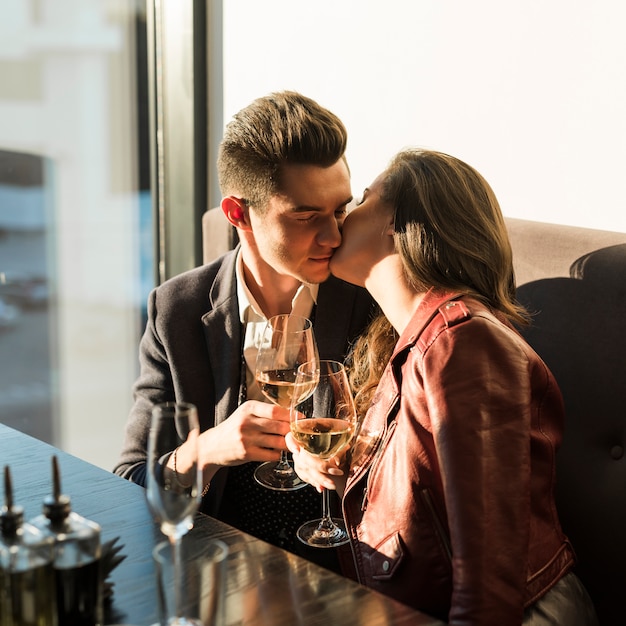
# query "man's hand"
(254, 432)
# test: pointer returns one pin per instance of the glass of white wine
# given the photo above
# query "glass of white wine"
(323, 421)
(174, 481)
(286, 343)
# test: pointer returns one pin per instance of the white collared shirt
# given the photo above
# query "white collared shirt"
(254, 320)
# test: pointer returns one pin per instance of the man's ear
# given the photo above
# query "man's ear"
(236, 211)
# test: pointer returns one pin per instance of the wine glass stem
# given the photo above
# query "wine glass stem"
(326, 506)
(175, 542)
(283, 463)
(326, 521)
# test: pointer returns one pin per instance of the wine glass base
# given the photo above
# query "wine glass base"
(319, 534)
(271, 476)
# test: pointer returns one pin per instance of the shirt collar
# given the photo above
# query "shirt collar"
(249, 309)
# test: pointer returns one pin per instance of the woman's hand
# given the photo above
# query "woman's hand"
(321, 473)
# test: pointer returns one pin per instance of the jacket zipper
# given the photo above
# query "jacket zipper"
(364, 499)
(383, 444)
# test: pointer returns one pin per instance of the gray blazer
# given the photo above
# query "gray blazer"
(191, 351)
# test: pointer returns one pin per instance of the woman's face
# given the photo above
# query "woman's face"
(367, 237)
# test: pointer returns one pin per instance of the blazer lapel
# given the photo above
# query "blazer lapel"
(222, 332)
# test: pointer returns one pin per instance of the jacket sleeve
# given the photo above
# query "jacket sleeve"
(478, 390)
(153, 385)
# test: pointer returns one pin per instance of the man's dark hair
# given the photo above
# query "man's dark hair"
(278, 129)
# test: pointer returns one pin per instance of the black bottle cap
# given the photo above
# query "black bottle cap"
(11, 516)
(57, 506)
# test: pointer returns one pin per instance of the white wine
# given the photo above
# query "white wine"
(322, 436)
(278, 386)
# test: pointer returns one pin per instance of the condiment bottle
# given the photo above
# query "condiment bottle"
(27, 587)
(77, 563)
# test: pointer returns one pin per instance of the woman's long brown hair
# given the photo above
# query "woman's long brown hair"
(451, 236)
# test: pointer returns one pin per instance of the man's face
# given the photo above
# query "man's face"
(300, 228)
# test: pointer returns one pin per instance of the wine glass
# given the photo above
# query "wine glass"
(323, 421)
(174, 480)
(286, 343)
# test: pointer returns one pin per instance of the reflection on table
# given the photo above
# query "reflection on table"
(264, 585)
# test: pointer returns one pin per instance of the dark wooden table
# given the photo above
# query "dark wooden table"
(265, 585)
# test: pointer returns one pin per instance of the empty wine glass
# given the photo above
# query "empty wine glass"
(174, 480)
(323, 421)
(286, 343)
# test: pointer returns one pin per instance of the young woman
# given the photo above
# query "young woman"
(450, 508)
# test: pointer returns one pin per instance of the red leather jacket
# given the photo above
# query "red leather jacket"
(452, 511)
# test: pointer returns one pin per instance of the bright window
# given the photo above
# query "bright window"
(75, 219)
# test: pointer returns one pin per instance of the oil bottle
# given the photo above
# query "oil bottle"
(77, 562)
(27, 585)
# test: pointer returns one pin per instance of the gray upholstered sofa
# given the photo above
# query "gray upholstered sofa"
(573, 280)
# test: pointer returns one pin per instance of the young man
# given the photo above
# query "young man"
(285, 186)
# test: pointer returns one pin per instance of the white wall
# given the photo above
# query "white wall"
(532, 93)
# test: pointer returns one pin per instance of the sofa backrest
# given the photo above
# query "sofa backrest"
(573, 281)
(218, 235)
